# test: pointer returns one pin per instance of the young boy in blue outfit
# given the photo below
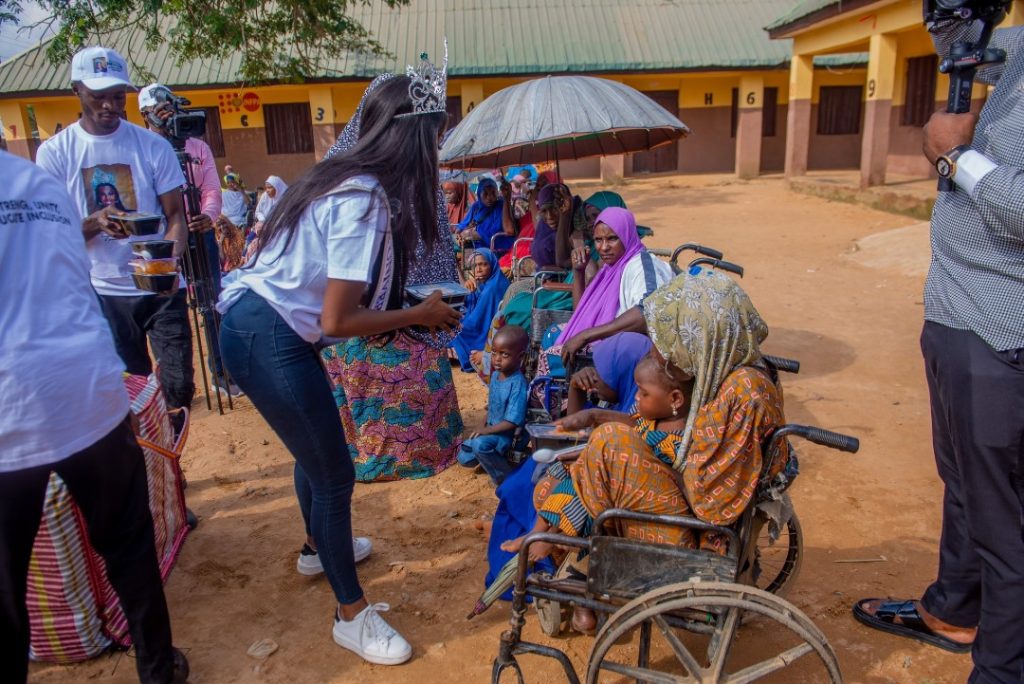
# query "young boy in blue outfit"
(506, 406)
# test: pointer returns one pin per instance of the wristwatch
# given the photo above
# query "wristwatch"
(946, 163)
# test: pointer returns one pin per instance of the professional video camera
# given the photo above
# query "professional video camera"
(182, 124)
(965, 56)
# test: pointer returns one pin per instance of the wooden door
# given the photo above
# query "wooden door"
(665, 158)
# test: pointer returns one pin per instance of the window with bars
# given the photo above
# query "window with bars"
(289, 128)
(214, 136)
(919, 102)
(839, 110)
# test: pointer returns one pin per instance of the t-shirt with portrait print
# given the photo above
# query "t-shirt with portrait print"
(129, 169)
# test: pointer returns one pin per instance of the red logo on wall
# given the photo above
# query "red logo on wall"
(251, 102)
(230, 103)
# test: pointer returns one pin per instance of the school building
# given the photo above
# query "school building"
(711, 63)
(878, 115)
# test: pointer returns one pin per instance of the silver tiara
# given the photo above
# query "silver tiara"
(428, 86)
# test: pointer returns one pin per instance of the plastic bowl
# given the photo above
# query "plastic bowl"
(139, 224)
(154, 249)
(155, 283)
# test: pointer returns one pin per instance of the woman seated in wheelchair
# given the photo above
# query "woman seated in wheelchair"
(692, 447)
(627, 275)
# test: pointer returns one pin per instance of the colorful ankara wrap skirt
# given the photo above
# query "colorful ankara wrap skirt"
(398, 407)
(617, 470)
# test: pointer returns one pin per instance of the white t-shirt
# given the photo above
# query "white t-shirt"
(644, 274)
(338, 237)
(130, 168)
(61, 384)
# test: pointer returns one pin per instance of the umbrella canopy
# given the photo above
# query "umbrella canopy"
(559, 117)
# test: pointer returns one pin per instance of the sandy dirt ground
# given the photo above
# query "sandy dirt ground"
(841, 288)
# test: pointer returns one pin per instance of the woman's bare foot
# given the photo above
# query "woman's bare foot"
(584, 620)
(513, 545)
(538, 550)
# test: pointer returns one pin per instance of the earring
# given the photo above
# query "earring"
(675, 411)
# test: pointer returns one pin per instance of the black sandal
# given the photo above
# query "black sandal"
(910, 624)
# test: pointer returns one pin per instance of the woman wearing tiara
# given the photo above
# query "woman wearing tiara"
(333, 260)
(395, 392)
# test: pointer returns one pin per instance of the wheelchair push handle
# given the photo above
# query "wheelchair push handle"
(833, 440)
(719, 264)
(782, 364)
(699, 249)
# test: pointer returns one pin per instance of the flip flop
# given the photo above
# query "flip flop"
(910, 625)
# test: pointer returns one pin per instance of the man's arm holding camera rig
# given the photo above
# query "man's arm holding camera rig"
(995, 184)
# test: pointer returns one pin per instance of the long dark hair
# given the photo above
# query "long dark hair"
(401, 153)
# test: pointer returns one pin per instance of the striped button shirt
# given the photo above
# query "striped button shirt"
(976, 278)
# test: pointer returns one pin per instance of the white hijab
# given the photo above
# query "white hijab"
(267, 202)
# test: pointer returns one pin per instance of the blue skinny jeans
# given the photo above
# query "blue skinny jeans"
(282, 376)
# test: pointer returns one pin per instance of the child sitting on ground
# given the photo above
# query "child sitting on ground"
(506, 406)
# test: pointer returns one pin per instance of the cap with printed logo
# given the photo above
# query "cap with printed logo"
(100, 68)
(147, 95)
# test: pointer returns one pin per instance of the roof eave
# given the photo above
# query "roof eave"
(801, 24)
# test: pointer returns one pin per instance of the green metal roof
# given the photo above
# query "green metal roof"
(493, 38)
(810, 11)
(801, 10)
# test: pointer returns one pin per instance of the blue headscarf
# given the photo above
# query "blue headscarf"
(481, 306)
(616, 359)
(488, 219)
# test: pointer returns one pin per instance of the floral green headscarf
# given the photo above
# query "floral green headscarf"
(706, 325)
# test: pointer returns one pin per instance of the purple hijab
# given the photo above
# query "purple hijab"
(600, 302)
(543, 247)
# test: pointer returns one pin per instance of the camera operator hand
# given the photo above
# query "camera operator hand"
(200, 224)
(100, 222)
(944, 131)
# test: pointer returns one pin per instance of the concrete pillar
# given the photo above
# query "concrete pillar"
(878, 109)
(798, 119)
(321, 110)
(17, 129)
(613, 169)
(472, 95)
(749, 126)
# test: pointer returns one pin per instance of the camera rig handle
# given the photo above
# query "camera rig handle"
(966, 57)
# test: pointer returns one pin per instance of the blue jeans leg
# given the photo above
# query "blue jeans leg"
(492, 453)
(282, 375)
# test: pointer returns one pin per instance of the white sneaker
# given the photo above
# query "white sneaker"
(368, 635)
(309, 560)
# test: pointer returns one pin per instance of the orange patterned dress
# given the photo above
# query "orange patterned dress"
(619, 469)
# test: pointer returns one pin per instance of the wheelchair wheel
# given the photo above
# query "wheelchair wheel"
(777, 565)
(552, 616)
(717, 608)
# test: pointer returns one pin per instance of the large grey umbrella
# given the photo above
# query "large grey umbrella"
(559, 117)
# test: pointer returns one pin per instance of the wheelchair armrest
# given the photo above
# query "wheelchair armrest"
(556, 287)
(672, 520)
(782, 364)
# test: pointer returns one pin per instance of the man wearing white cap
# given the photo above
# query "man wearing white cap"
(111, 166)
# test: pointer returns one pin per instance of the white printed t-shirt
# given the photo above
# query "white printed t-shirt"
(61, 385)
(338, 236)
(129, 168)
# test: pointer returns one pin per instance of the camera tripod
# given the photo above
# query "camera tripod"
(202, 294)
